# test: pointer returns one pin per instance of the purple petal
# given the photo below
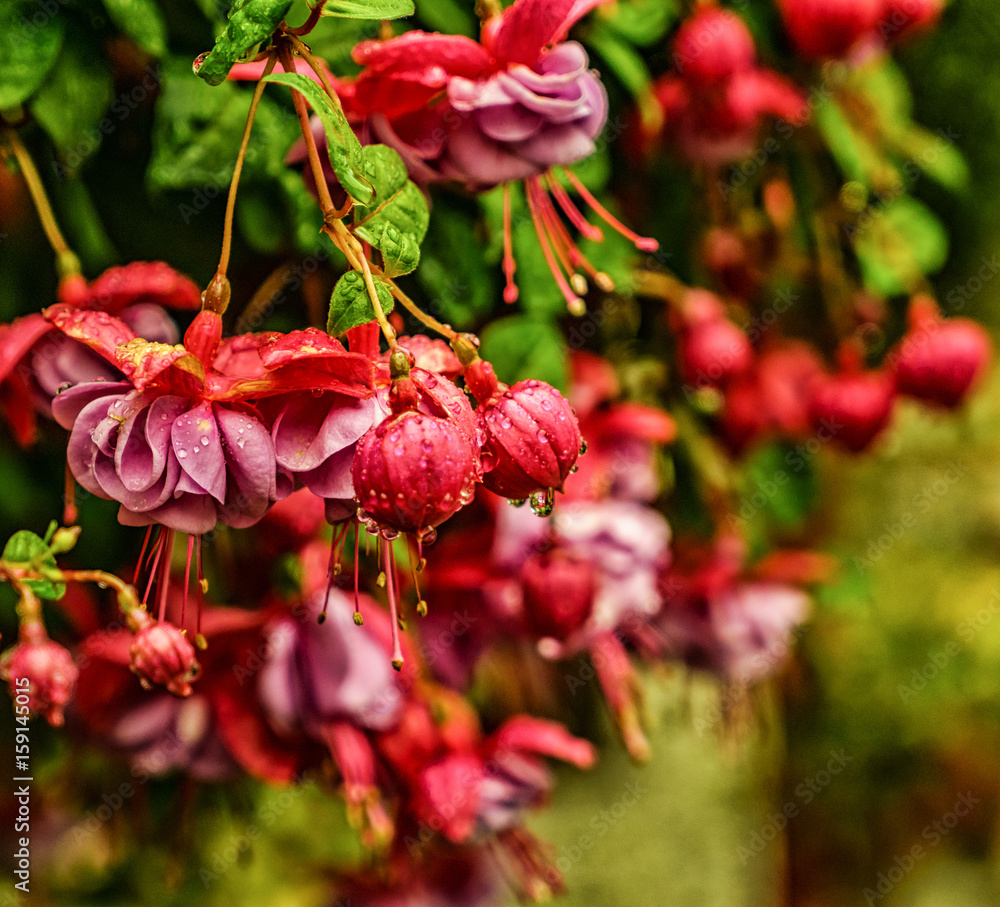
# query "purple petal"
(310, 430)
(251, 465)
(196, 443)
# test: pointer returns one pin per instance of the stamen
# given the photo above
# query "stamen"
(358, 619)
(509, 265)
(642, 243)
(187, 576)
(577, 258)
(414, 568)
(156, 551)
(142, 554)
(202, 589)
(558, 236)
(164, 580)
(332, 567)
(389, 568)
(574, 302)
(577, 219)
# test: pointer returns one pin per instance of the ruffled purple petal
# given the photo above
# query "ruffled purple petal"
(195, 439)
(251, 466)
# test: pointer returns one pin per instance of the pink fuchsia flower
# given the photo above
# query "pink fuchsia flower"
(853, 406)
(181, 443)
(720, 615)
(711, 350)
(511, 108)
(42, 670)
(713, 110)
(36, 361)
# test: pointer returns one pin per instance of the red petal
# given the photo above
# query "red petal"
(530, 25)
(546, 738)
(100, 331)
(419, 50)
(19, 337)
(169, 368)
(638, 421)
(143, 281)
(18, 409)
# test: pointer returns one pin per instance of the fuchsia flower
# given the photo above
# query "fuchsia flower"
(162, 654)
(853, 406)
(712, 110)
(829, 28)
(512, 107)
(718, 616)
(181, 443)
(36, 361)
(711, 350)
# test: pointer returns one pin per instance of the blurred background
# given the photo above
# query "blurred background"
(869, 772)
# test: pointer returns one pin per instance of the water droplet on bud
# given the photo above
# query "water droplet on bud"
(543, 502)
(583, 446)
(517, 502)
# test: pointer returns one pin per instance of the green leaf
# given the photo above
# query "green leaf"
(449, 16)
(369, 9)
(30, 49)
(841, 140)
(351, 306)
(72, 100)
(142, 21)
(251, 22)
(780, 485)
(396, 218)
(454, 271)
(621, 58)
(25, 547)
(934, 154)
(642, 22)
(197, 134)
(345, 149)
(901, 244)
(520, 347)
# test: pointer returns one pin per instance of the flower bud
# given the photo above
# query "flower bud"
(712, 46)
(162, 654)
(853, 408)
(828, 28)
(50, 671)
(558, 593)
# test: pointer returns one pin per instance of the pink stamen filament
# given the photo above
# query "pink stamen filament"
(572, 300)
(581, 223)
(642, 243)
(389, 566)
(155, 552)
(164, 580)
(509, 265)
(187, 577)
(576, 257)
(142, 554)
(357, 559)
(556, 232)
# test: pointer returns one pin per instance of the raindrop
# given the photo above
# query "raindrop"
(428, 536)
(182, 454)
(543, 435)
(506, 423)
(390, 535)
(574, 468)
(204, 441)
(316, 392)
(543, 502)
(241, 442)
(426, 446)
(198, 62)
(583, 446)
(517, 502)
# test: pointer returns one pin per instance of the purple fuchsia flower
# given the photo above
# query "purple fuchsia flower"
(519, 105)
(49, 669)
(181, 443)
(36, 361)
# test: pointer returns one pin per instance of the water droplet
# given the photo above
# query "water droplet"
(204, 441)
(390, 535)
(399, 450)
(517, 502)
(546, 404)
(543, 502)
(505, 422)
(427, 536)
(199, 61)
(394, 435)
(426, 446)
(241, 442)
(488, 460)
(583, 446)
(316, 392)
(543, 435)
(182, 454)
(574, 469)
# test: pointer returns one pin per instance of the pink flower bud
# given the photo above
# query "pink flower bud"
(711, 349)
(712, 46)
(829, 28)
(413, 471)
(50, 672)
(162, 654)
(940, 361)
(852, 408)
(532, 439)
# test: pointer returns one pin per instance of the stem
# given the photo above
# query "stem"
(419, 314)
(310, 23)
(303, 51)
(326, 202)
(227, 233)
(68, 262)
(387, 329)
